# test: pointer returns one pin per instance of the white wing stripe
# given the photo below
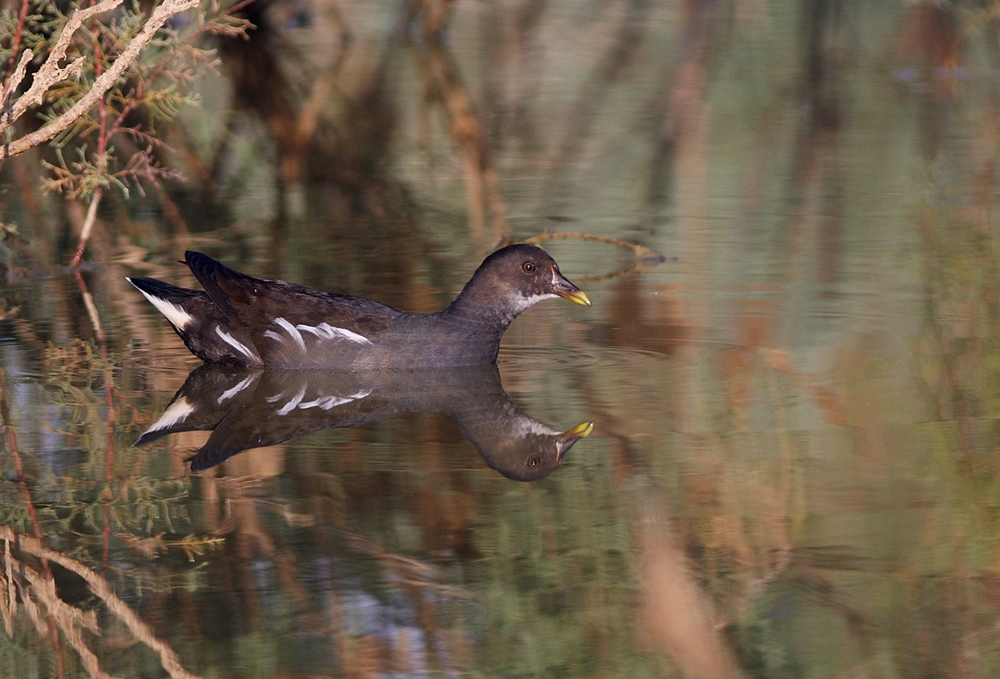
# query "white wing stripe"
(229, 393)
(327, 331)
(328, 402)
(297, 399)
(323, 331)
(293, 331)
(234, 343)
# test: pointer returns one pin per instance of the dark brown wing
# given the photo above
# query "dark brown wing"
(293, 326)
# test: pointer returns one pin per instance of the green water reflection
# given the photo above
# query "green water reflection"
(794, 470)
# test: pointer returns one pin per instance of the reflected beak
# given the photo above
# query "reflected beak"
(571, 436)
(562, 287)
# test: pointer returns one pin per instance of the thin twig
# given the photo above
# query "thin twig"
(15, 45)
(88, 225)
(15, 81)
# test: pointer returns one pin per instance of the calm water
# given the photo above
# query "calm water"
(794, 469)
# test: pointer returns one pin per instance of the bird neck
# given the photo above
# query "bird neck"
(480, 304)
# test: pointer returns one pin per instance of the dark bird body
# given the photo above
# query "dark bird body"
(246, 321)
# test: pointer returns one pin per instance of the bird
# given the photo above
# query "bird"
(255, 407)
(243, 321)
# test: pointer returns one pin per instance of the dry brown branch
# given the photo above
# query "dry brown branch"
(51, 73)
(99, 586)
(640, 251)
(5, 612)
(308, 118)
(10, 603)
(34, 614)
(15, 44)
(15, 81)
(70, 620)
(644, 257)
(482, 182)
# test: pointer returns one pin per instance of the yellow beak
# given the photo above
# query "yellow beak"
(581, 430)
(565, 289)
(578, 296)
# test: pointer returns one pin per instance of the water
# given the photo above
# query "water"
(794, 465)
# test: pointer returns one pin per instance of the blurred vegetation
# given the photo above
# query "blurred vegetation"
(795, 468)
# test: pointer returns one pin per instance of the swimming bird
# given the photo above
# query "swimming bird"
(251, 322)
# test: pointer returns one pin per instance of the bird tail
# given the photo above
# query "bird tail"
(200, 323)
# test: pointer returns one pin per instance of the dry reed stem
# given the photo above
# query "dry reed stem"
(100, 587)
(51, 73)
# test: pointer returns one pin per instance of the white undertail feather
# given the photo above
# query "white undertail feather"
(178, 411)
(173, 312)
(235, 343)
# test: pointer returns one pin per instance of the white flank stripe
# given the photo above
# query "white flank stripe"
(293, 331)
(173, 312)
(297, 399)
(178, 411)
(229, 393)
(270, 334)
(327, 331)
(234, 343)
(328, 402)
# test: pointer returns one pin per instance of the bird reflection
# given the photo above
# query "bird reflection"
(253, 408)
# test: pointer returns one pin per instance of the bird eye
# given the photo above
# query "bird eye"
(529, 267)
(533, 461)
